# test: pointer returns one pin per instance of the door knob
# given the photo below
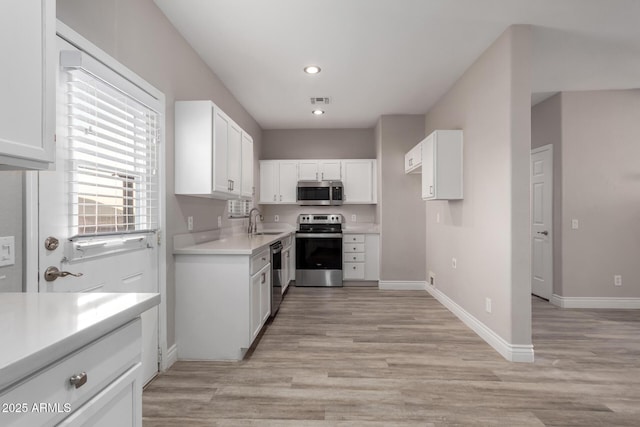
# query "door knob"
(51, 243)
(52, 273)
(545, 232)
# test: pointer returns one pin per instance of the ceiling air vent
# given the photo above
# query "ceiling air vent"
(320, 101)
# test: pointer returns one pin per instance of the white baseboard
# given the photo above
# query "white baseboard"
(511, 352)
(595, 302)
(171, 357)
(399, 285)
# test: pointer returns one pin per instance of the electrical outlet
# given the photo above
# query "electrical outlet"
(353, 218)
(454, 263)
(575, 224)
(438, 217)
(617, 280)
(219, 221)
(487, 305)
(7, 251)
(432, 278)
(190, 223)
(276, 218)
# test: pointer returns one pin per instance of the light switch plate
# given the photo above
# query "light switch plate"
(7, 251)
(575, 224)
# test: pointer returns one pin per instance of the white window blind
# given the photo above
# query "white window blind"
(239, 208)
(113, 158)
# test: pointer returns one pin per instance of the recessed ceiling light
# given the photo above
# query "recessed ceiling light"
(317, 112)
(312, 69)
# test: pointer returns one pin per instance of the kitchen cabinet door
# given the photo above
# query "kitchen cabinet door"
(247, 166)
(234, 158)
(265, 294)
(359, 181)
(27, 104)
(269, 180)
(288, 181)
(442, 165)
(308, 170)
(255, 303)
(413, 159)
(220, 151)
(330, 170)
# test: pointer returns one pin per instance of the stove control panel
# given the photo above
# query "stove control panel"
(319, 219)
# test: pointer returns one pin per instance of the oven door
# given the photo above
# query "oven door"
(318, 259)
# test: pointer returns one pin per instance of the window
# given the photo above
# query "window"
(239, 208)
(113, 158)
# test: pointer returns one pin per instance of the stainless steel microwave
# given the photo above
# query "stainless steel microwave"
(320, 193)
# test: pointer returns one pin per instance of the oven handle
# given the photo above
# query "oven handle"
(319, 235)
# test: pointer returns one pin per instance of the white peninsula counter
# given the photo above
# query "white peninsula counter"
(71, 358)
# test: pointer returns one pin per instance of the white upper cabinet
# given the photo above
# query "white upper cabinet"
(442, 165)
(308, 170)
(359, 181)
(318, 170)
(208, 152)
(27, 104)
(330, 170)
(247, 165)
(413, 159)
(278, 180)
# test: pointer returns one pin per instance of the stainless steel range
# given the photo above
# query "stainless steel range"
(319, 250)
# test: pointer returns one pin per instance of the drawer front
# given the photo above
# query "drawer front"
(353, 247)
(103, 361)
(353, 238)
(259, 261)
(353, 270)
(354, 257)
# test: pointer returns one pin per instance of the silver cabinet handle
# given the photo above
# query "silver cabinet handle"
(322, 176)
(354, 258)
(281, 197)
(354, 249)
(78, 380)
(52, 273)
(316, 176)
(274, 197)
(431, 189)
(544, 233)
(263, 278)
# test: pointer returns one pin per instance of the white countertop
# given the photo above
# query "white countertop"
(39, 328)
(236, 244)
(361, 229)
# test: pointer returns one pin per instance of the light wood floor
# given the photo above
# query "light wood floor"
(365, 357)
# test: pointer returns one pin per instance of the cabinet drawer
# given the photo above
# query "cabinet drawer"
(354, 257)
(103, 361)
(353, 238)
(353, 270)
(353, 247)
(259, 261)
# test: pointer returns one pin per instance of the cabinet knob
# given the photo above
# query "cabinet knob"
(354, 258)
(354, 249)
(78, 380)
(354, 267)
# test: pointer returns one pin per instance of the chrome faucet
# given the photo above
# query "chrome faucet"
(253, 224)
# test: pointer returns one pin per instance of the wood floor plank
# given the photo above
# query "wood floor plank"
(364, 357)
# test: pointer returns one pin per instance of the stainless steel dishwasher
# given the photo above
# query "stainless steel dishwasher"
(276, 277)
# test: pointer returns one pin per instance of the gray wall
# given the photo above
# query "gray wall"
(488, 231)
(546, 128)
(401, 211)
(599, 185)
(137, 34)
(318, 144)
(11, 224)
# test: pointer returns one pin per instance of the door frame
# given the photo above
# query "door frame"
(549, 148)
(31, 192)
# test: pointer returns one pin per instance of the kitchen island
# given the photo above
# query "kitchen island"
(71, 358)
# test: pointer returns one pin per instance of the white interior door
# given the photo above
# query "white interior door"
(542, 222)
(108, 263)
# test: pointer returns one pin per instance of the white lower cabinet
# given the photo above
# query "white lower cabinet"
(107, 390)
(361, 256)
(260, 295)
(222, 303)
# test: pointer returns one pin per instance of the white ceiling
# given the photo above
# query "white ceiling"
(396, 56)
